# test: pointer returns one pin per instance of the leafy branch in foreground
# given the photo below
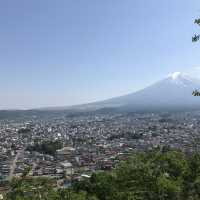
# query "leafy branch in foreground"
(196, 37)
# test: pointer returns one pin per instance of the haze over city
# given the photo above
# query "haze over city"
(60, 53)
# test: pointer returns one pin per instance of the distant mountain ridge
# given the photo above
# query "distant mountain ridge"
(173, 92)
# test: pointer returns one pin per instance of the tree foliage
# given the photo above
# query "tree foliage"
(46, 147)
(196, 37)
(157, 175)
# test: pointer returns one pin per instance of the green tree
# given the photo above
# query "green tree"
(196, 37)
(161, 174)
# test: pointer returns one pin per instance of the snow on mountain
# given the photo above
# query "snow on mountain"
(175, 91)
(172, 93)
(175, 75)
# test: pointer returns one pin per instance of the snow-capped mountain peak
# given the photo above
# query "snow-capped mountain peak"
(179, 76)
(182, 79)
(172, 93)
(176, 75)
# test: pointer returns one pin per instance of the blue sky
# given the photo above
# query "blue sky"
(70, 52)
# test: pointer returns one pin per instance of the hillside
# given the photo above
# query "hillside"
(155, 175)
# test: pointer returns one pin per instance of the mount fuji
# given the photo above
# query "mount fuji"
(172, 93)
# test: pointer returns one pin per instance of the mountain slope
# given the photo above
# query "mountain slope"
(174, 92)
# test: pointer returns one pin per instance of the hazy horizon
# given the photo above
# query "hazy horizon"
(68, 53)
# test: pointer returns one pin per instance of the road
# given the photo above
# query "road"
(14, 163)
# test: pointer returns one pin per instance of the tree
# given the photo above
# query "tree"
(196, 37)
(160, 174)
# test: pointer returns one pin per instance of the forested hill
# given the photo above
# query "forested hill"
(156, 175)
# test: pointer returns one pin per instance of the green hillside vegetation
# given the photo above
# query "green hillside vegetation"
(156, 175)
(47, 147)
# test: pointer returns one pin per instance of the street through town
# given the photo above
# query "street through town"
(13, 166)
